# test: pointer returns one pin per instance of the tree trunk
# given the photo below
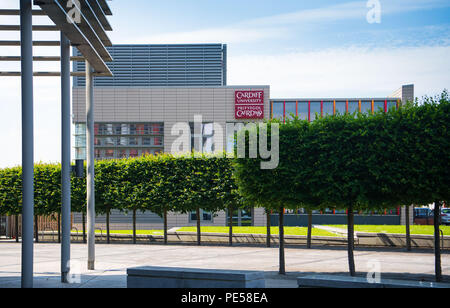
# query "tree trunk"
(281, 239)
(84, 228)
(309, 240)
(166, 240)
(199, 234)
(134, 226)
(351, 239)
(59, 228)
(408, 229)
(108, 235)
(437, 240)
(36, 228)
(230, 212)
(268, 229)
(17, 228)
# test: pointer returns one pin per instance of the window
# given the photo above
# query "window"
(133, 129)
(158, 141)
(392, 104)
(80, 141)
(147, 141)
(117, 129)
(328, 108)
(278, 110)
(80, 153)
(109, 153)
(134, 153)
(315, 110)
(303, 108)
(378, 105)
(241, 217)
(203, 142)
(122, 153)
(124, 129)
(341, 107)
(291, 110)
(140, 129)
(353, 107)
(97, 153)
(205, 216)
(366, 107)
(109, 141)
(121, 140)
(132, 141)
(108, 129)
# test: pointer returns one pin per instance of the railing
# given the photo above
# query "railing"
(78, 233)
(101, 233)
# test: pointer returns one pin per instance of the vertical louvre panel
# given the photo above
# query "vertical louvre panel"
(162, 65)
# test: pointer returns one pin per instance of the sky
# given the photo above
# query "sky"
(318, 48)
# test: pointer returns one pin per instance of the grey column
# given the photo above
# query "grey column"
(90, 166)
(26, 37)
(65, 158)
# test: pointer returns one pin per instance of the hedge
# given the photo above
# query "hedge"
(357, 162)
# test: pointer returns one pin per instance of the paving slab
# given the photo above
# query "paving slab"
(112, 262)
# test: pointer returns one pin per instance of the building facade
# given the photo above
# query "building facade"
(137, 113)
(162, 66)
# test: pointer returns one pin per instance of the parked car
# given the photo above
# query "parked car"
(445, 216)
(422, 216)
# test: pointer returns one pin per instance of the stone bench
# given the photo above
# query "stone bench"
(337, 282)
(166, 277)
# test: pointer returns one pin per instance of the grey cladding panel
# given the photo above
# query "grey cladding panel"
(162, 65)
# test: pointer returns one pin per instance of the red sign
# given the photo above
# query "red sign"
(249, 105)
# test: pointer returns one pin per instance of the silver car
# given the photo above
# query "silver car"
(445, 216)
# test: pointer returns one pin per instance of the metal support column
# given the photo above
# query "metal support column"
(65, 158)
(90, 166)
(26, 38)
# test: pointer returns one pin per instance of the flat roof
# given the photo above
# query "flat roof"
(328, 99)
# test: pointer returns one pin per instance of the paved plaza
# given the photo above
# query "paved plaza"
(113, 260)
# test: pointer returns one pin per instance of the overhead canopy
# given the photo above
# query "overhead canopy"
(89, 34)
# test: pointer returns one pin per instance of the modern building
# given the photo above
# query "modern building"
(136, 112)
(162, 66)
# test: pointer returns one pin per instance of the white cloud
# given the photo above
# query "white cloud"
(283, 25)
(345, 72)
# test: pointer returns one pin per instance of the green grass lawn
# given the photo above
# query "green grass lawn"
(130, 232)
(416, 230)
(260, 230)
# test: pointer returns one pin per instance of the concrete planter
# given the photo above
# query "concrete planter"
(361, 239)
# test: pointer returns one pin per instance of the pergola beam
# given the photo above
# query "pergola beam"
(38, 58)
(35, 43)
(49, 74)
(35, 28)
(81, 34)
(6, 12)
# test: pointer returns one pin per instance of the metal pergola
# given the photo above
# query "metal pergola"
(82, 24)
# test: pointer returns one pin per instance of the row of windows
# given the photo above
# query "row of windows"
(394, 212)
(311, 110)
(122, 129)
(117, 153)
(128, 141)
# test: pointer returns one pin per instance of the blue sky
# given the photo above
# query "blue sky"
(318, 48)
